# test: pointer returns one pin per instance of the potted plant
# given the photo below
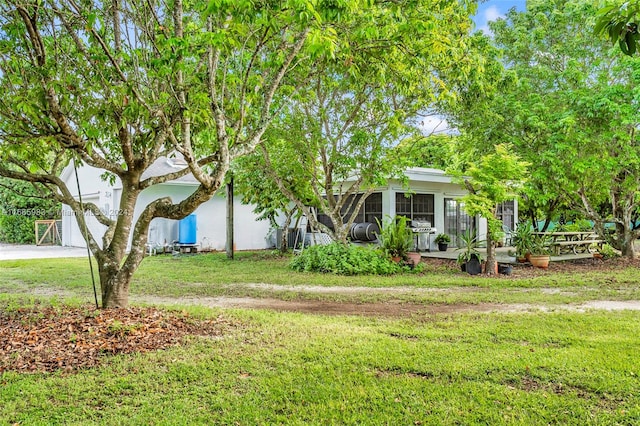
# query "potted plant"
(522, 239)
(395, 237)
(414, 257)
(540, 251)
(469, 258)
(442, 240)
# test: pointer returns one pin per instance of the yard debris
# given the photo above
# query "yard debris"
(50, 338)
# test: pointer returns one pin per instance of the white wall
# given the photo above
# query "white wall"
(249, 234)
(211, 227)
(93, 190)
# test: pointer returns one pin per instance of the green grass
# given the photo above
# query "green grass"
(468, 368)
(294, 369)
(213, 276)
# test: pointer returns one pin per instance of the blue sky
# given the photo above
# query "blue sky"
(494, 9)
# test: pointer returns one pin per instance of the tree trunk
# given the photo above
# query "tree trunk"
(115, 266)
(115, 291)
(284, 240)
(622, 207)
(113, 285)
(116, 274)
(627, 243)
(490, 268)
(628, 236)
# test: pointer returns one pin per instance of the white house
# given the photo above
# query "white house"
(249, 233)
(432, 198)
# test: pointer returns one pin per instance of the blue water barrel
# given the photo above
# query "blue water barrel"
(187, 230)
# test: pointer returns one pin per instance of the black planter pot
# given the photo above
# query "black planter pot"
(505, 269)
(443, 246)
(473, 266)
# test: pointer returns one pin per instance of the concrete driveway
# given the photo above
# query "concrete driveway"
(18, 251)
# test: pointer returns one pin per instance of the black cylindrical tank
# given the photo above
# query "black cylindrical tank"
(364, 231)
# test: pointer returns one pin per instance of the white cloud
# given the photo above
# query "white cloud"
(434, 125)
(493, 13)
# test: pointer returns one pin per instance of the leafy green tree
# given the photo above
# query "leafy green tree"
(571, 112)
(340, 133)
(566, 103)
(21, 204)
(496, 177)
(619, 21)
(119, 85)
(434, 151)
(255, 187)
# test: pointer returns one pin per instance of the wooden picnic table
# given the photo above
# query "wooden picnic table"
(574, 241)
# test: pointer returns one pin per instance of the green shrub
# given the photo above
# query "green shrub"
(20, 207)
(580, 225)
(17, 229)
(344, 259)
(395, 236)
(608, 252)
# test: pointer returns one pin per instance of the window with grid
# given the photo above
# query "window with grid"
(416, 207)
(506, 213)
(349, 206)
(370, 210)
(373, 207)
(403, 205)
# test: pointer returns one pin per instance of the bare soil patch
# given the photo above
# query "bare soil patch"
(389, 309)
(45, 338)
(386, 309)
(525, 270)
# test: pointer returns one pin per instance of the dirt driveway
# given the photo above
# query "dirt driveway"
(390, 308)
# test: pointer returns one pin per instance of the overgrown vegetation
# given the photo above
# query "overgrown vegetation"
(608, 252)
(20, 207)
(344, 259)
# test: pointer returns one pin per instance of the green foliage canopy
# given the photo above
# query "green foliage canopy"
(619, 22)
(121, 85)
(338, 136)
(572, 113)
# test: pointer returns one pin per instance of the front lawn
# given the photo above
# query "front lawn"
(264, 275)
(558, 367)
(542, 368)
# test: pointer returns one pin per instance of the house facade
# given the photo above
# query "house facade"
(431, 198)
(210, 217)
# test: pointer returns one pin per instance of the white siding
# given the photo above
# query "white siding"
(210, 222)
(250, 234)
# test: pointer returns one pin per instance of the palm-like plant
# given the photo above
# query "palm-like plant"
(468, 246)
(395, 236)
(522, 239)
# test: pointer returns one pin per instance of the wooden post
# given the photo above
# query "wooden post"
(230, 247)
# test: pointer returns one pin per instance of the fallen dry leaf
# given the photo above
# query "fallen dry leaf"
(44, 338)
